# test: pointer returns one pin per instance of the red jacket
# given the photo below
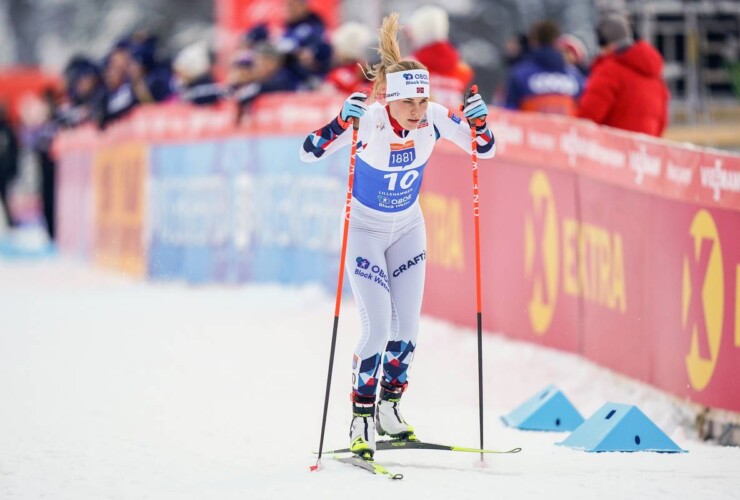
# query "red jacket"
(348, 78)
(449, 76)
(626, 90)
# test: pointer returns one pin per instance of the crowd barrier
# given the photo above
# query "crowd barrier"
(619, 247)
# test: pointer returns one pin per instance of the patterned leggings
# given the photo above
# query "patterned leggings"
(386, 265)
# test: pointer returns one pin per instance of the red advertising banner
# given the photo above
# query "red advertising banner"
(644, 285)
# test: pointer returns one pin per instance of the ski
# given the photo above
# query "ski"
(369, 465)
(414, 444)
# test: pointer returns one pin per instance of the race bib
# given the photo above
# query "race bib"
(402, 155)
(384, 190)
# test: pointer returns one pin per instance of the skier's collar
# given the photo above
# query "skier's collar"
(397, 128)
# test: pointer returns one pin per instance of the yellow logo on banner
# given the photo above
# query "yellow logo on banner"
(119, 174)
(542, 252)
(702, 307)
(445, 235)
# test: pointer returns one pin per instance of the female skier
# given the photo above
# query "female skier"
(386, 245)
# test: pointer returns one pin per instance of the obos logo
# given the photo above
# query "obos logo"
(408, 76)
(541, 252)
(702, 307)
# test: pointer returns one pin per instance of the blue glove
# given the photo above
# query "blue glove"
(354, 107)
(475, 109)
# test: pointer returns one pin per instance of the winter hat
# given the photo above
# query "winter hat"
(144, 54)
(614, 29)
(258, 33)
(572, 45)
(351, 40)
(193, 61)
(429, 24)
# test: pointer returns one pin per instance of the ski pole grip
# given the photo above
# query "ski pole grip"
(356, 123)
(472, 90)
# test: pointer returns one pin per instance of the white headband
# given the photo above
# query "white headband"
(407, 84)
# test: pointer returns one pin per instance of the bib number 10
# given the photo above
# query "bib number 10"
(406, 181)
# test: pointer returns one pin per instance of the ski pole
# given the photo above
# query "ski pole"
(342, 255)
(476, 219)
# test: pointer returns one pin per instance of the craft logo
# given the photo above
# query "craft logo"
(702, 305)
(410, 263)
(542, 252)
(362, 263)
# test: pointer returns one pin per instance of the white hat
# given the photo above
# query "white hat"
(351, 40)
(193, 61)
(429, 24)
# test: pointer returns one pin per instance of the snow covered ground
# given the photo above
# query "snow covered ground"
(111, 388)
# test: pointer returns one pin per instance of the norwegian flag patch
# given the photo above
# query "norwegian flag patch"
(419, 90)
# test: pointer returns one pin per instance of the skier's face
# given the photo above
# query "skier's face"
(409, 112)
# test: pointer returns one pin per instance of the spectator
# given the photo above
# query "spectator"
(626, 89)
(84, 92)
(349, 43)
(119, 94)
(41, 136)
(193, 69)
(543, 81)
(254, 36)
(8, 160)
(150, 79)
(271, 72)
(429, 29)
(268, 74)
(242, 78)
(515, 49)
(574, 51)
(308, 55)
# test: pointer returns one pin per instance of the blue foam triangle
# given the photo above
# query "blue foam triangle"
(620, 427)
(548, 410)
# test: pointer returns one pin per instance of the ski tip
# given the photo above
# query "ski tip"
(396, 476)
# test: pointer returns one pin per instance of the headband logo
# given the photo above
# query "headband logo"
(419, 90)
(408, 76)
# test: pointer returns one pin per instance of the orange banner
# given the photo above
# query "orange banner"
(119, 174)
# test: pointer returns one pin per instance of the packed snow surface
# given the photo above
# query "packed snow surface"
(115, 388)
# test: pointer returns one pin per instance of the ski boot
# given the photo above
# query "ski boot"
(388, 419)
(362, 430)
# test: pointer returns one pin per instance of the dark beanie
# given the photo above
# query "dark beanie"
(614, 28)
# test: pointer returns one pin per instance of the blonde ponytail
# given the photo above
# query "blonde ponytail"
(390, 57)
